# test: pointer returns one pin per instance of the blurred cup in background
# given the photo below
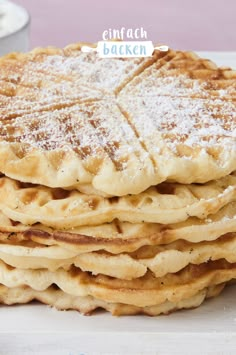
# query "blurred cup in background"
(14, 28)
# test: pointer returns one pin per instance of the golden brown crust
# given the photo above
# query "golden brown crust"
(140, 292)
(87, 305)
(160, 260)
(119, 237)
(30, 204)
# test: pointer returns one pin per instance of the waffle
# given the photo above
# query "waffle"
(118, 237)
(165, 203)
(117, 180)
(201, 77)
(47, 90)
(160, 260)
(43, 67)
(140, 292)
(87, 304)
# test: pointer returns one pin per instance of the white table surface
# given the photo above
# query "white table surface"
(38, 329)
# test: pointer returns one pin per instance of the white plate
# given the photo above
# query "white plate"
(38, 329)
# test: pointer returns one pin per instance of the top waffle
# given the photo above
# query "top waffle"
(115, 126)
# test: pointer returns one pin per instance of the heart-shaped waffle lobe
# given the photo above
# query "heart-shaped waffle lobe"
(118, 185)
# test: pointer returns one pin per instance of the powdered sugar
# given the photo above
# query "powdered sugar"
(88, 129)
(194, 122)
(155, 83)
(87, 68)
(69, 102)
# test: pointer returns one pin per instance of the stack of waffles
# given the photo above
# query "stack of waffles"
(118, 184)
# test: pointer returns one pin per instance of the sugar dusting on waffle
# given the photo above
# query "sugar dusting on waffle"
(194, 122)
(136, 115)
(161, 105)
(87, 67)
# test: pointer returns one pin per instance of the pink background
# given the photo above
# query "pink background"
(183, 24)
